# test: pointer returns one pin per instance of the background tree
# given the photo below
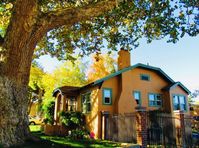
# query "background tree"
(57, 27)
(69, 73)
(194, 95)
(36, 90)
(103, 65)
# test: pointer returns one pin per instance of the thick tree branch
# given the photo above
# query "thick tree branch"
(17, 55)
(71, 16)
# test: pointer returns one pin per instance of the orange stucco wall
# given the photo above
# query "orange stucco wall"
(131, 82)
(92, 118)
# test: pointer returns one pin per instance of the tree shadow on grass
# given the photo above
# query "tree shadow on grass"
(63, 142)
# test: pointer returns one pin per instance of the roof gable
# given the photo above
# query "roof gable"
(172, 86)
(139, 65)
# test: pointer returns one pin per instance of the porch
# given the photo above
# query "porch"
(65, 100)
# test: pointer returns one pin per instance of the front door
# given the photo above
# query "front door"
(105, 125)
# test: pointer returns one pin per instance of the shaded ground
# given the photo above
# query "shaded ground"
(62, 142)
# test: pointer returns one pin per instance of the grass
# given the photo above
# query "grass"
(62, 142)
(35, 128)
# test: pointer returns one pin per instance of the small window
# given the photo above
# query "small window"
(137, 97)
(86, 103)
(144, 77)
(179, 102)
(107, 96)
(155, 100)
(72, 104)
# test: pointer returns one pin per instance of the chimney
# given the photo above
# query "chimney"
(124, 59)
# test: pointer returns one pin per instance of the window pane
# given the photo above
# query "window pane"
(137, 101)
(145, 77)
(137, 95)
(84, 108)
(152, 103)
(88, 107)
(159, 102)
(182, 100)
(151, 97)
(107, 93)
(158, 97)
(176, 107)
(107, 100)
(182, 107)
(175, 100)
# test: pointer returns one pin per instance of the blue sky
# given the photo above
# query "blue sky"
(180, 61)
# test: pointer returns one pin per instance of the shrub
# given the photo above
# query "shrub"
(75, 123)
(73, 120)
(49, 112)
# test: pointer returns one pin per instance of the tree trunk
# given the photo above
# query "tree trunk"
(16, 56)
(13, 113)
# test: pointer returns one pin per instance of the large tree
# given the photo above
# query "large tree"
(59, 26)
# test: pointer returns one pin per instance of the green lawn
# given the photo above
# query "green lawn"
(63, 142)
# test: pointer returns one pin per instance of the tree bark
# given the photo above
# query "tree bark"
(13, 118)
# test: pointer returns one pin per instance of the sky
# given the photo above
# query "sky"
(180, 61)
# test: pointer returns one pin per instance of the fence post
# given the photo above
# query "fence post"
(141, 126)
(180, 115)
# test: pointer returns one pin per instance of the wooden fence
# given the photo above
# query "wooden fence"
(163, 129)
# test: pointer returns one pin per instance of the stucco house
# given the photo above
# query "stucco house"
(121, 92)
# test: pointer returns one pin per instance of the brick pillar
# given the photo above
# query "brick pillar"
(141, 125)
(180, 128)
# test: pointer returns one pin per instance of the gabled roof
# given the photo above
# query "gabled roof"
(139, 65)
(177, 84)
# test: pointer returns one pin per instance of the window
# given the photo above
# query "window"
(179, 102)
(72, 104)
(86, 103)
(144, 77)
(107, 96)
(137, 97)
(155, 100)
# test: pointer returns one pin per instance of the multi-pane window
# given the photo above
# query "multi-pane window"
(107, 96)
(144, 77)
(155, 100)
(137, 97)
(179, 102)
(86, 103)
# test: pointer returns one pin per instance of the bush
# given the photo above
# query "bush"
(49, 113)
(75, 123)
(73, 120)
